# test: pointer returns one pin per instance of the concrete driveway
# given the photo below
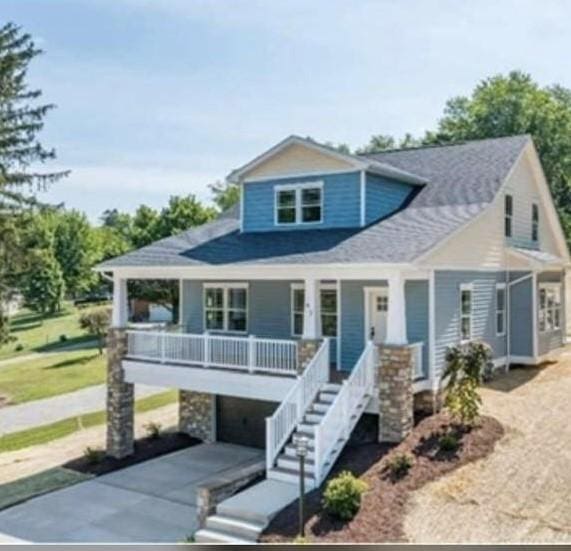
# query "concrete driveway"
(522, 492)
(150, 502)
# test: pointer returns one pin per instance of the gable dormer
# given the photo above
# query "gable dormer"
(299, 184)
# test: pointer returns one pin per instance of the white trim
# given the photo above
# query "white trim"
(363, 190)
(290, 176)
(180, 302)
(501, 286)
(294, 287)
(227, 284)
(551, 286)
(367, 291)
(297, 187)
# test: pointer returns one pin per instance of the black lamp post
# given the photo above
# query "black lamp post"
(301, 448)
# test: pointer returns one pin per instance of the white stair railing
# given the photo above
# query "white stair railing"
(337, 423)
(282, 423)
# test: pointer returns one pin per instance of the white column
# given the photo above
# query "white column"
(396, 317)
(312, 309)
(120, 306)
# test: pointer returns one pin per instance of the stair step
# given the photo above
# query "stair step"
(214, 536)
(289, 475)
(290, 451)
(239, 527)
(307, 429)
(331, 387)
(320, 407)
(292, 463)
(327, 396)
(313, 417)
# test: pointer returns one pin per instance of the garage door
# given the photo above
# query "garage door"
(242, 421)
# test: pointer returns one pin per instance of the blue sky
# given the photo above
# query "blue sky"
(161, 97)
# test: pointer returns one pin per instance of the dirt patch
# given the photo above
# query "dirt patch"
(145, 449)
(382, 512)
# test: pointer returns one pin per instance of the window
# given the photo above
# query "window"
(500, 309)
(299, 203)
(549, 307)
(535, 222)
(225, 308)
(508, 215)
(465, 312)
(328, 297)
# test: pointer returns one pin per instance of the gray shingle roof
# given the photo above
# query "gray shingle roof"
(463, 180)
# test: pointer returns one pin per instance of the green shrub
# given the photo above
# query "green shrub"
(400, 464)
(62, 338)
(153, 430)
(342, 496)
(19, 347)
(448, 442)
(93, 455)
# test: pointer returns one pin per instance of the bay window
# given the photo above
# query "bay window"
(226, 307)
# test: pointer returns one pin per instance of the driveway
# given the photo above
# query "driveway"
(522, 492)
(150, 502)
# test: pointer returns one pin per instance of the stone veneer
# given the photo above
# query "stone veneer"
(428, 401)
(197, 414)
(120, 398)
(306, 349)
(395, 392)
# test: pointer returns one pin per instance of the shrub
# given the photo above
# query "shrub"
(342, 496)
(400, 464)
(153, 430)
(19, 347)
(62, 338)
(96, 323)
(93, 455)
(448, 442)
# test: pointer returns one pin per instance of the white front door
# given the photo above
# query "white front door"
(376, 315)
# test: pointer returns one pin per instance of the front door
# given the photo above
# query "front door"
(377, 310)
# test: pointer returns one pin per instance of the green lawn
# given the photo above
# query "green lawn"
(51, 375)
(36, 333)
(46, 433)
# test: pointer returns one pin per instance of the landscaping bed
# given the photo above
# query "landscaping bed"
(380, 518)
(145, 449)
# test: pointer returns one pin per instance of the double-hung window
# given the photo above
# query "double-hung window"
(465, 312)
(535, 222)
(508, 215)
(299, 203)
(549, 307)
(500, 309)
(226, 307)
(328, 299)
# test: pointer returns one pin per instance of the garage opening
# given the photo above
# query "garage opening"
(242, 421)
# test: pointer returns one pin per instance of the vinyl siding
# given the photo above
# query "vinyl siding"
(416, 297)
(521, 317)
(384, 196)
(341, 202)
(447, 297)
(548, 341)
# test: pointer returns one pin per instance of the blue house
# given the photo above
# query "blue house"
(334, 273)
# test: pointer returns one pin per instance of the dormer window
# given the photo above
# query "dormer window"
(299, 203)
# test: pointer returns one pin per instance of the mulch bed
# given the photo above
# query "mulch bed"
(145, 448)
(383, 507)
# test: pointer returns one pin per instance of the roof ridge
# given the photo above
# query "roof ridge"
(444, 144)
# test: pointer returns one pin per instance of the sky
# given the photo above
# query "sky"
(162, 97)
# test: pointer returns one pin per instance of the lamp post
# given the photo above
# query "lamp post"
(301, 448)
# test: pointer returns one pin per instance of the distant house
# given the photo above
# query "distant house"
(355, 268)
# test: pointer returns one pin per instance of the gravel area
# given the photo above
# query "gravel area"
(522, 492)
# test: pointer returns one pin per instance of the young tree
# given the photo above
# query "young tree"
(225, 194)
(43, 285)
(96, 323)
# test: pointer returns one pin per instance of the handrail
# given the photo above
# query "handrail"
(226, 351)
(336, 423)
(292, 408)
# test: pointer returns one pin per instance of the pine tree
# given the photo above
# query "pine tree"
(21, 119)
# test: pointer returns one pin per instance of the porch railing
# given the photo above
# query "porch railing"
(244, 353)
(281, 424)
(417, 357)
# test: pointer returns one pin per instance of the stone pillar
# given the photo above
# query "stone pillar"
(197, 414)
(306, 349)
(395, 392)
(120, 398)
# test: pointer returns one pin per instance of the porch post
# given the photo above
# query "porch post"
(312, 308)
(120, 306)
(396, 316)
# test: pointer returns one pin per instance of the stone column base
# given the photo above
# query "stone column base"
(428, 401)
(197, 414)
(306, 349)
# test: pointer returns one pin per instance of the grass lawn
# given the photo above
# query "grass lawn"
(36, 333)
(51, 375)
(46, 433)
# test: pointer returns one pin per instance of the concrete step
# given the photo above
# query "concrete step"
(292, 463)
(213, 536)
(238, 527)
(290, 476)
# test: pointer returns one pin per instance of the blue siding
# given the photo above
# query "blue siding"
(521, 316)
(416, 298)
(553, 339)
(447, 297)
(384, 196)
(341, 202)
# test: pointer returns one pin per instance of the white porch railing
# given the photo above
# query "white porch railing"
(244, 353)
(340, 418)
(417, 355)
(290, 412)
